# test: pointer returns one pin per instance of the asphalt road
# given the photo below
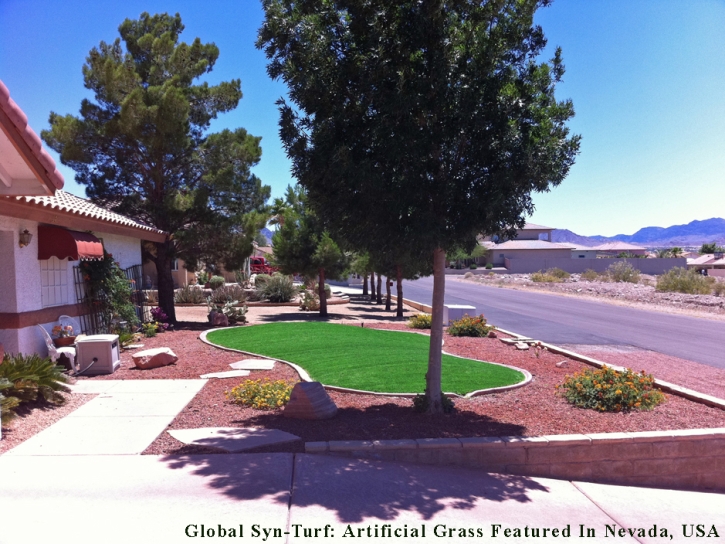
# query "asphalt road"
(565, 320)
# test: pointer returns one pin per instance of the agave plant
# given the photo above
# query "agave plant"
(32, 375)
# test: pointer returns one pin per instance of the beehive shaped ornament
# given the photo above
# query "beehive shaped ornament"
(309, 400)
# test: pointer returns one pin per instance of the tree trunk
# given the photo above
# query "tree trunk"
(321, 292)
(372, 286)
(399, 278)
(165, 279)
(380, 289)
(387, 295)
(365, 285)
(433, 376)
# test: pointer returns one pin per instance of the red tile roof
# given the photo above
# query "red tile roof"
(70, 203)
(28, 135)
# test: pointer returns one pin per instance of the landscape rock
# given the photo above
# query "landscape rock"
(309, 400)
(563, 364)
(226, 374)
(218, 319)
(492, 334)
(522, 346)
(253, 364)
(154, 358)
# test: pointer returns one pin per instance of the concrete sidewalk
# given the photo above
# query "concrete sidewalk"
(297, 498)
(125, 418)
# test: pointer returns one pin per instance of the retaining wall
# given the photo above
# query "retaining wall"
(686, 459)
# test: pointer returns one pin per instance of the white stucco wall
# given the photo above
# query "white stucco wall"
(126, 251)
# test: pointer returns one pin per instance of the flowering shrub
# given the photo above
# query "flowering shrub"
(159, 315)
(607, 390)
(470, 326)
(309, 301)
(420, 321)
(261, 394)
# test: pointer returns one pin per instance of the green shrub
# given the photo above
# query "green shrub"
(473, 266)
(420, 321)
(7, 404)
(558, 273)
(718, 288)
(203, 277)
(420, 404)
(607, 390)
(328, 290)
(489, 266)
(309, 301)
(261, 279)
(622, 271)
(228, 293)
(149, 329)
(278, 288)
(234, 313)
(682, 280)
(190, 294)
(32, 375)
(545, 277)
(241, 277)
(215, 282)
(589, 275)
(470, 326)
(261, 394)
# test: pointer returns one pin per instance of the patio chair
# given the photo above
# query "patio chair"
(54, 353)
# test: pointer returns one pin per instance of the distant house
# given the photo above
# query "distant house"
(44, 232)
(712, 263)
(616, 248)
(532, 242)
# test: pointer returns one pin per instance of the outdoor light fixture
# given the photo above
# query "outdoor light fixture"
(25, 238)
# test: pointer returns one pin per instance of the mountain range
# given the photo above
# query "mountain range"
(694, 233)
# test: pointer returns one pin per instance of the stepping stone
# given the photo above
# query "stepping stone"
(226, 374)
(309, 400)
(232, 439)
(253, 364)
(522, 346)
(134, 346)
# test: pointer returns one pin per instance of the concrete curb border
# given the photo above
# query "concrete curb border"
(306, 377)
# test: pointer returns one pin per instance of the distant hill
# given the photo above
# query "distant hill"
(267, 234)
(694, 233)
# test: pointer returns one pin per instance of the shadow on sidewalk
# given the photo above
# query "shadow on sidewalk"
(355, 489)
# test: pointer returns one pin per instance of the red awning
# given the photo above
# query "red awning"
(67, 244)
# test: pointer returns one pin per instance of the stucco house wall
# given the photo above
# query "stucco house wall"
(499, 255)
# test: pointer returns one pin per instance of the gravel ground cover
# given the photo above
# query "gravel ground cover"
(642, 294)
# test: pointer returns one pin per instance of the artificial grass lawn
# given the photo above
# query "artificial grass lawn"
(359, 358)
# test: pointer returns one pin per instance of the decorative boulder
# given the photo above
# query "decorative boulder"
(154, 358)
(309, 400)
(218, 319)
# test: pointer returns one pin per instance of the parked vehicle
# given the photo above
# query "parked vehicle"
(259, 265)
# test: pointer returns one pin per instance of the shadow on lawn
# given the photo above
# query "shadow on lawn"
(354, 490)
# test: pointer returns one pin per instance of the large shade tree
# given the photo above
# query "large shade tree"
(428, 121)
(141, 147)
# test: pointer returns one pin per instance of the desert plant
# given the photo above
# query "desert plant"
(228, 293)
(608, 390)
(278, 288)
(467, 275)
(558, 273)
(215, 282)
(489, 266)
(718, 288)
(7, 404)
(32, 375)
(420, 404)
(682, 280)
(190, 294)
(149, 329)
(261, 394)
(470, 326)
(151, 296)
(261, 279)
(241, 277)
(622, 271)
(589, 275)
(309, 301)
(473, 266)
(545, 277)
(328, 290)
(420, 321)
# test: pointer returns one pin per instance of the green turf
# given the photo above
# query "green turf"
(359, 358)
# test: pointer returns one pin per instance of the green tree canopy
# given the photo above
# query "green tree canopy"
(420, 124)
(142, 147)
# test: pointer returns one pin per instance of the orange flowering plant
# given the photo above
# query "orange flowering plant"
(607, 390)
(470, 326)
(62, 331)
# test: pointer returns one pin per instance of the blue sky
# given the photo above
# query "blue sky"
(647, 78)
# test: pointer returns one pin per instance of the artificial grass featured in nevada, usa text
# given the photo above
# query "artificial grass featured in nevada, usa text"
(360, 358)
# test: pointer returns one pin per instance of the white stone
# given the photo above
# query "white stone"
(253, 364)
(226, 374)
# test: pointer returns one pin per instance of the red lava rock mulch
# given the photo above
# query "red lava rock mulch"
(533, 410)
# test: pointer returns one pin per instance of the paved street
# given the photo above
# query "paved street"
(566, 320)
